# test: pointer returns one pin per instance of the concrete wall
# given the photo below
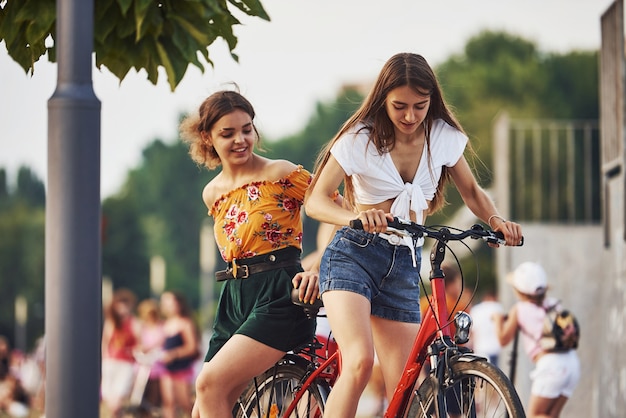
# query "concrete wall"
(609, 313)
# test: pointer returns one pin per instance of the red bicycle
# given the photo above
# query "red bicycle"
(458, 383)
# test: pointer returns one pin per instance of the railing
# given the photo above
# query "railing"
(550, 169)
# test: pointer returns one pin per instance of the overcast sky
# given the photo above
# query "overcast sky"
(305, 53)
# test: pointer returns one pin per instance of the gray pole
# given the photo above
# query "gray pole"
(73, 269)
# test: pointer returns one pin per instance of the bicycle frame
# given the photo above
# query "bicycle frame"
(319, 372)
(433, 325)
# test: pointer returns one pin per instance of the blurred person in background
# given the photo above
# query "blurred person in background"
(557, 371)
(180, 351)
(13, 398)
(151, 338)
(484, 337)
(33, 377)
(120, 337)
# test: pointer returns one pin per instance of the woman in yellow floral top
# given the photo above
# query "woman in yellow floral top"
(255, 203)
(261, 216)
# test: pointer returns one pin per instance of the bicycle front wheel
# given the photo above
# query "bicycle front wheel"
(476, 389)
(273, 392)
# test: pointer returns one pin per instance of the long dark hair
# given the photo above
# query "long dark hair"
(403, 69)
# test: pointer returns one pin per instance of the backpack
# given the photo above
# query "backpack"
(561, 331)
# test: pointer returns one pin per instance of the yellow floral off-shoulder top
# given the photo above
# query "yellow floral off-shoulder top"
(260, 217)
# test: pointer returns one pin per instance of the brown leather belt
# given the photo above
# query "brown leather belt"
(245, 270)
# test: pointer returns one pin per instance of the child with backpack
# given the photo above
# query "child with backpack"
(549, 336)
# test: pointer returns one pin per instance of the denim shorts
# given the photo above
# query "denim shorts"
(360, 262)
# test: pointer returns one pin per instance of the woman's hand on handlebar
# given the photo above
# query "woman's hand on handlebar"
(307, 282)
(512, 232)
(374, 220)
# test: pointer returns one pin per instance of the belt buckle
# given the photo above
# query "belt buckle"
(246, 271)
(236, 270)
(239, 272)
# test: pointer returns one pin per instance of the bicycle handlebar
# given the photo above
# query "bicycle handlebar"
(442, 233)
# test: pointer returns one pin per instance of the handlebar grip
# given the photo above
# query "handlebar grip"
(500, 236)
(356, 224)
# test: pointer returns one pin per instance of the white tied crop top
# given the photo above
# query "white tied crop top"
(376, 179)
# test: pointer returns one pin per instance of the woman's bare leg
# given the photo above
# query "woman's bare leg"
(349, 317)
(393, 341)
(222, 380)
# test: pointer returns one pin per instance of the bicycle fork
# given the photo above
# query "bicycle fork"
(447, 390)
(437, 353)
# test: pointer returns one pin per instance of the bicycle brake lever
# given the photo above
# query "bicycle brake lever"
(498, 240)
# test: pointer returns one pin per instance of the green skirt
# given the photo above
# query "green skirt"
(260, 307)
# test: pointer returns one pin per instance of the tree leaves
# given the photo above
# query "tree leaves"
(139, 34)
(24, 27)
(22, 251)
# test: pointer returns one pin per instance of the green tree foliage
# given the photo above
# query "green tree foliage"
(303, 147)
(572, 80)
(22, 249)
(499, 71)
(124, 257)
(4, 188)
(162, 199)
(139, 34)
(30, 188)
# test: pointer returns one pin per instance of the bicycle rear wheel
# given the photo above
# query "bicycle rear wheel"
(477, 389)
(270, 394)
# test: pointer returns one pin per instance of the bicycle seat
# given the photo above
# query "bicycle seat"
(310, 309)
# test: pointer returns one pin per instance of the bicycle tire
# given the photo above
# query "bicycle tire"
(476, 389)
(271, 392)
